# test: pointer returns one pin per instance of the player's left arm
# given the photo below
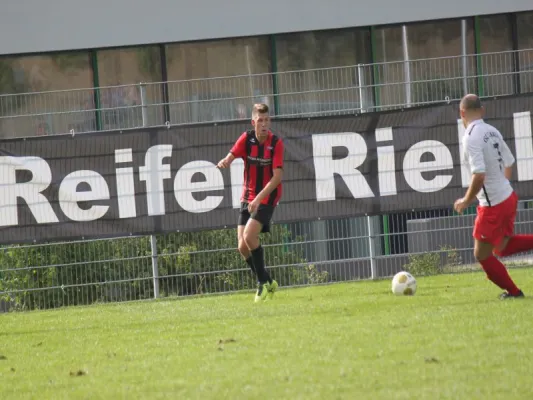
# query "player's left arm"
(476, 160)
(277, 166)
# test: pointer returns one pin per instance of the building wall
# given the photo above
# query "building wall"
(317, 71)
(36, 26)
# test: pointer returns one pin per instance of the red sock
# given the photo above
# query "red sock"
(517, 244)
(498, 274)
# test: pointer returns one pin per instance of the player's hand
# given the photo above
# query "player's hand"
(460, 205)
(223, 163)
(253, 206)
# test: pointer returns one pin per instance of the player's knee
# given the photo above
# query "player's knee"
(250, 239)
(481, 255)
(243, 248)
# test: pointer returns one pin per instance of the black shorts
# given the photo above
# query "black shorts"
(263, 215)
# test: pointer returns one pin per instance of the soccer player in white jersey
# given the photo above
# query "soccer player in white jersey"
(491, 162)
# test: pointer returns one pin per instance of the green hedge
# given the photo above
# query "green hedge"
(56, 275)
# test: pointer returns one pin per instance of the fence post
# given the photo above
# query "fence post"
(464, 52)
(153, 239)
(407, 66)
(155, 269)
(144, 107)
(371, 247)
(360, 81)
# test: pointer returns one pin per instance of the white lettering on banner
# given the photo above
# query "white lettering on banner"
(69, 196)
(237, 179)
(29, 191)
(326, 167)
(387, 171)
(125, 185)
(466, 176)
(413, 166)
(184, 188)
(386, 163)
(153, 172)
(523, 145)
(157, 168)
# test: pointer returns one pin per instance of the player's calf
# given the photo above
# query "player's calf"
(247, 255)
(495, 270)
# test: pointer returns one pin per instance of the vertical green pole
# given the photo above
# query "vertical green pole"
(375, 76)
(164, 78)
(275, 92)
(479, 65)
(480, 86)
(96, 86)
(513, 20)
(377, 103)
(274, 62)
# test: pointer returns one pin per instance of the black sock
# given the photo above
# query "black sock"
(259, 264)
(250, 263)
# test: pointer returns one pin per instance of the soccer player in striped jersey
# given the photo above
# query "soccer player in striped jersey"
(262, 152)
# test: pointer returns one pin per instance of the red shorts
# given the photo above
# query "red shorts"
(494, 223)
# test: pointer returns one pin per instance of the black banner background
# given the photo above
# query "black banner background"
(211, 142)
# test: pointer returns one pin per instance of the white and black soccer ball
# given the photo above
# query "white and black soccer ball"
(404, 284)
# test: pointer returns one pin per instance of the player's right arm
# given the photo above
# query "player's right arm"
(476, 159)
(237, 151)
(508, 160)
(509, 173)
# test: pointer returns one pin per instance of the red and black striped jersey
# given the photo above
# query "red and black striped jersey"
(260, 160)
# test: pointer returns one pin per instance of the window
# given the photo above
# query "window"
(443, 70)
(496, 70)
(239, 72)
(318, 72)
(35, 105)
(121, 73)
(436, 69)
(390, 71)
(525, 46)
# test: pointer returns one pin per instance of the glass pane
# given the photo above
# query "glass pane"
(496, 69)
(389, 72)
(121, 71)
(238, 72)
(318, 72)
(442, 72)
(525, 44)
(37, 97)
(437, 70)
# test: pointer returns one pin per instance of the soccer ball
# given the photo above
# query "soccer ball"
(403, 284)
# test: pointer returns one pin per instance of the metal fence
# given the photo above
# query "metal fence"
(133, 268)
(184, 264)
(328, 91)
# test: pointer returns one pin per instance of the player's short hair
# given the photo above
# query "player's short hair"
(471, 102)
(260, 108)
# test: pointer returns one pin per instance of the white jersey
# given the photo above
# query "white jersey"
(486, 151)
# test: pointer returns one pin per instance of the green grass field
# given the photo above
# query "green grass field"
(453, 340)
